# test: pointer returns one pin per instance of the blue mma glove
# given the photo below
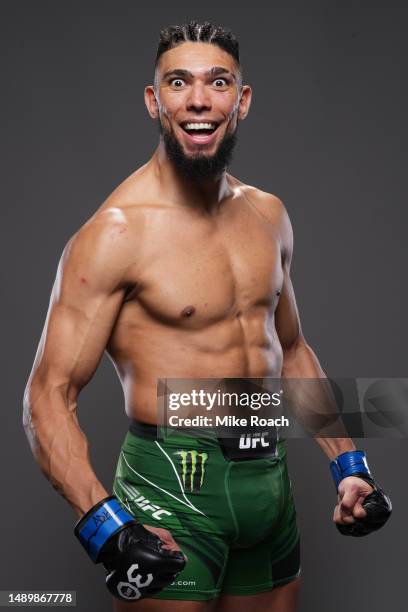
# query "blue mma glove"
(137, 566)
(377, 504)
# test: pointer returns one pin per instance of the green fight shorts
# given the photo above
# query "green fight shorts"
(235, 520)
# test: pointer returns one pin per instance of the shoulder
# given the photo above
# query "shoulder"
(267, 204)
(101, 250)
(272, 210)
(106, 229)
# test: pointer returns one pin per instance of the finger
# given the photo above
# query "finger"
(341, 519)
(358, 510)
(348, 501)
(347, 520)
(341, 516)
(168, 541)
(336, 514)
(172, 549)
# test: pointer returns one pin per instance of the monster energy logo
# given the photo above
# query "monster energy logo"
(192, 469)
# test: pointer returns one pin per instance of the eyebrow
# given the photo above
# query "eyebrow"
(215, 71)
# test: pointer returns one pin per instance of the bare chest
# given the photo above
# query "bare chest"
(195, 274)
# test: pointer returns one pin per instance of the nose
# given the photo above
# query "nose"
(198, 99)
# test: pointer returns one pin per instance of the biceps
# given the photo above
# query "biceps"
(74, 339)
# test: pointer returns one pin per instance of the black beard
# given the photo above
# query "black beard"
(199, 167)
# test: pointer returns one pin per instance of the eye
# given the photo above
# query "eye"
(220, 82)
(177, 83)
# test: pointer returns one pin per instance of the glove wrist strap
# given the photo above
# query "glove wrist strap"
(99, 524)
(351, 463)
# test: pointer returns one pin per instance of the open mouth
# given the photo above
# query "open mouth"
(199, 129)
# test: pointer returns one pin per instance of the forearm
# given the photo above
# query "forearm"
(60, 446)
(313, 402)
(299, 361)
(333, 447)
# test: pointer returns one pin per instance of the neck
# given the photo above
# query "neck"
(206, 194)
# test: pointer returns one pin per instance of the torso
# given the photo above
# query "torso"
(202, 296)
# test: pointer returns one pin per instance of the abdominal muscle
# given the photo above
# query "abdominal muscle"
(244, 346)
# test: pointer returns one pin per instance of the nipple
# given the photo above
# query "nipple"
(188, 311)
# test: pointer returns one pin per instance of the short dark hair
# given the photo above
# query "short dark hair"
(206, 32)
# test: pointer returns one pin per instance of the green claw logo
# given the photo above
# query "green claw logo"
(192, 469)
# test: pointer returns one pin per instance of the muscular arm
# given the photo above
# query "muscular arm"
(299, 360)
(84, 304)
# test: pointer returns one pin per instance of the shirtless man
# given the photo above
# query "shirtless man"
(184, 272)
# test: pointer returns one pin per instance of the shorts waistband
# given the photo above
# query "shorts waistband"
(144, 430)
(247, 446)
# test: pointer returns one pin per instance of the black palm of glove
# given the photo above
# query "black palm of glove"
(137, 564)
(378, 508)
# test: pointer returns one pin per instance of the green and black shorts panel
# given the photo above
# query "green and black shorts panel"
(234, 520)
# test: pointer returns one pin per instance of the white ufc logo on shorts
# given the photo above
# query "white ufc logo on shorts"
(249, 440)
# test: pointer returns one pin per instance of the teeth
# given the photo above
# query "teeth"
(200, 126)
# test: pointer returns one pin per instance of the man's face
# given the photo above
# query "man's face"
(198, 99)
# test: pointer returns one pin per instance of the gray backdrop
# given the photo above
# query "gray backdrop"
(327, 133)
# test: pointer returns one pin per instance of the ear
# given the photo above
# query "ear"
(245, 101)
(151, 102)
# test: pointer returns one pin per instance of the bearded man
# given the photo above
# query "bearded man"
(183, 272)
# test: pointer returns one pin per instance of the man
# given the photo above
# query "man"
(184, 272)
